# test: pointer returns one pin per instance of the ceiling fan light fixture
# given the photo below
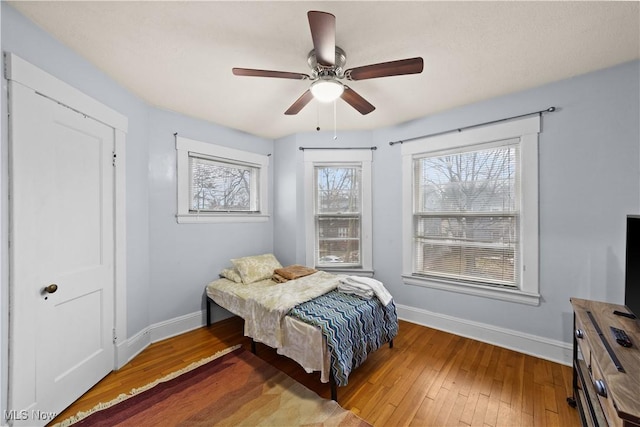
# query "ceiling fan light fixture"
(327, 90)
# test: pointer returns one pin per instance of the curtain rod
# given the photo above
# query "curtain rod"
(337, 148)
(548, 110)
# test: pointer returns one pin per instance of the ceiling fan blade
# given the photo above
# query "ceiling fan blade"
(267, 73)
(300, 103)
(352, 98)
(386, 69)
(323, 33)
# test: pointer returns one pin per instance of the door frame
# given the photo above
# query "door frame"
(20, 72)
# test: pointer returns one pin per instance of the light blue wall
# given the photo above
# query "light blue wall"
(286, 196)
(589, 181)
(289, 225)
(185, 257)
(589, 160)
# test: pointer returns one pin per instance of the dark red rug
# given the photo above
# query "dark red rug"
(231, 388)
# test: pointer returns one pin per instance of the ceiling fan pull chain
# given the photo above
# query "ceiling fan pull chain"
(335, 126)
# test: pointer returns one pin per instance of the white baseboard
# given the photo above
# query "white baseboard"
(131, 347)
(176, 326)
(544, 348)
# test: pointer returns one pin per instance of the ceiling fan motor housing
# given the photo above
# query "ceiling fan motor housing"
(337, 70)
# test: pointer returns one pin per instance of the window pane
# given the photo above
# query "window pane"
(338, 240)
(466, 219)
(337, 208)
(338, 189)
(476, 181)
(220, 186)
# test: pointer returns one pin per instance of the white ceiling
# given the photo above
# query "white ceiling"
(178, 55)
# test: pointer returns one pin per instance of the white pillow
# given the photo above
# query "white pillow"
(256, 268)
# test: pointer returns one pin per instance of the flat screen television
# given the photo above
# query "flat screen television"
(632, 270)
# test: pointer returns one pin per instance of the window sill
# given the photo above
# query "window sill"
(347, 271)
(220, 218)
(511, 295)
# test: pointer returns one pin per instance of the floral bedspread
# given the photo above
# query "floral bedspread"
(264, 304)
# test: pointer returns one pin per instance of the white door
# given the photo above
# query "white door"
(62, 255)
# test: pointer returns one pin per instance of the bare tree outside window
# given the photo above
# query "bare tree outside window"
(466, 215)
(338, 215)
(222, 187)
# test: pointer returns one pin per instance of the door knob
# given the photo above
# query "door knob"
(51, 288)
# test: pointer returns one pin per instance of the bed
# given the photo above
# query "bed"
(310, 318)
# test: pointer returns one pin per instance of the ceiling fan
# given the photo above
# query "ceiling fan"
(326, 61)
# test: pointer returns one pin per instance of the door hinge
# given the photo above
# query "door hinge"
(115, 336)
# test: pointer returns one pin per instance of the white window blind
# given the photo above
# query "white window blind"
(466, 214)
(338, 215)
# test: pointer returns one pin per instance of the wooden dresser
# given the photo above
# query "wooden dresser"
(606, 375)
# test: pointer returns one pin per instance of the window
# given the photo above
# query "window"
(338, 215)
(465, 215)
(471, 214)
(339, 210)
(217, 184)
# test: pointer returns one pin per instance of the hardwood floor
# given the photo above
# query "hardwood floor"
(429, 378)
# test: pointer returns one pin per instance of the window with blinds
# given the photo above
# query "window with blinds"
(466, 213)
(338, 215)
(219, 185)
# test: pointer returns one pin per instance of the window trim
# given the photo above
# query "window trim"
(526, 130)
(362, 157)
(184, 146)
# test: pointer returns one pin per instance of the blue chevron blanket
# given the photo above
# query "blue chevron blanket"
(353, 328)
